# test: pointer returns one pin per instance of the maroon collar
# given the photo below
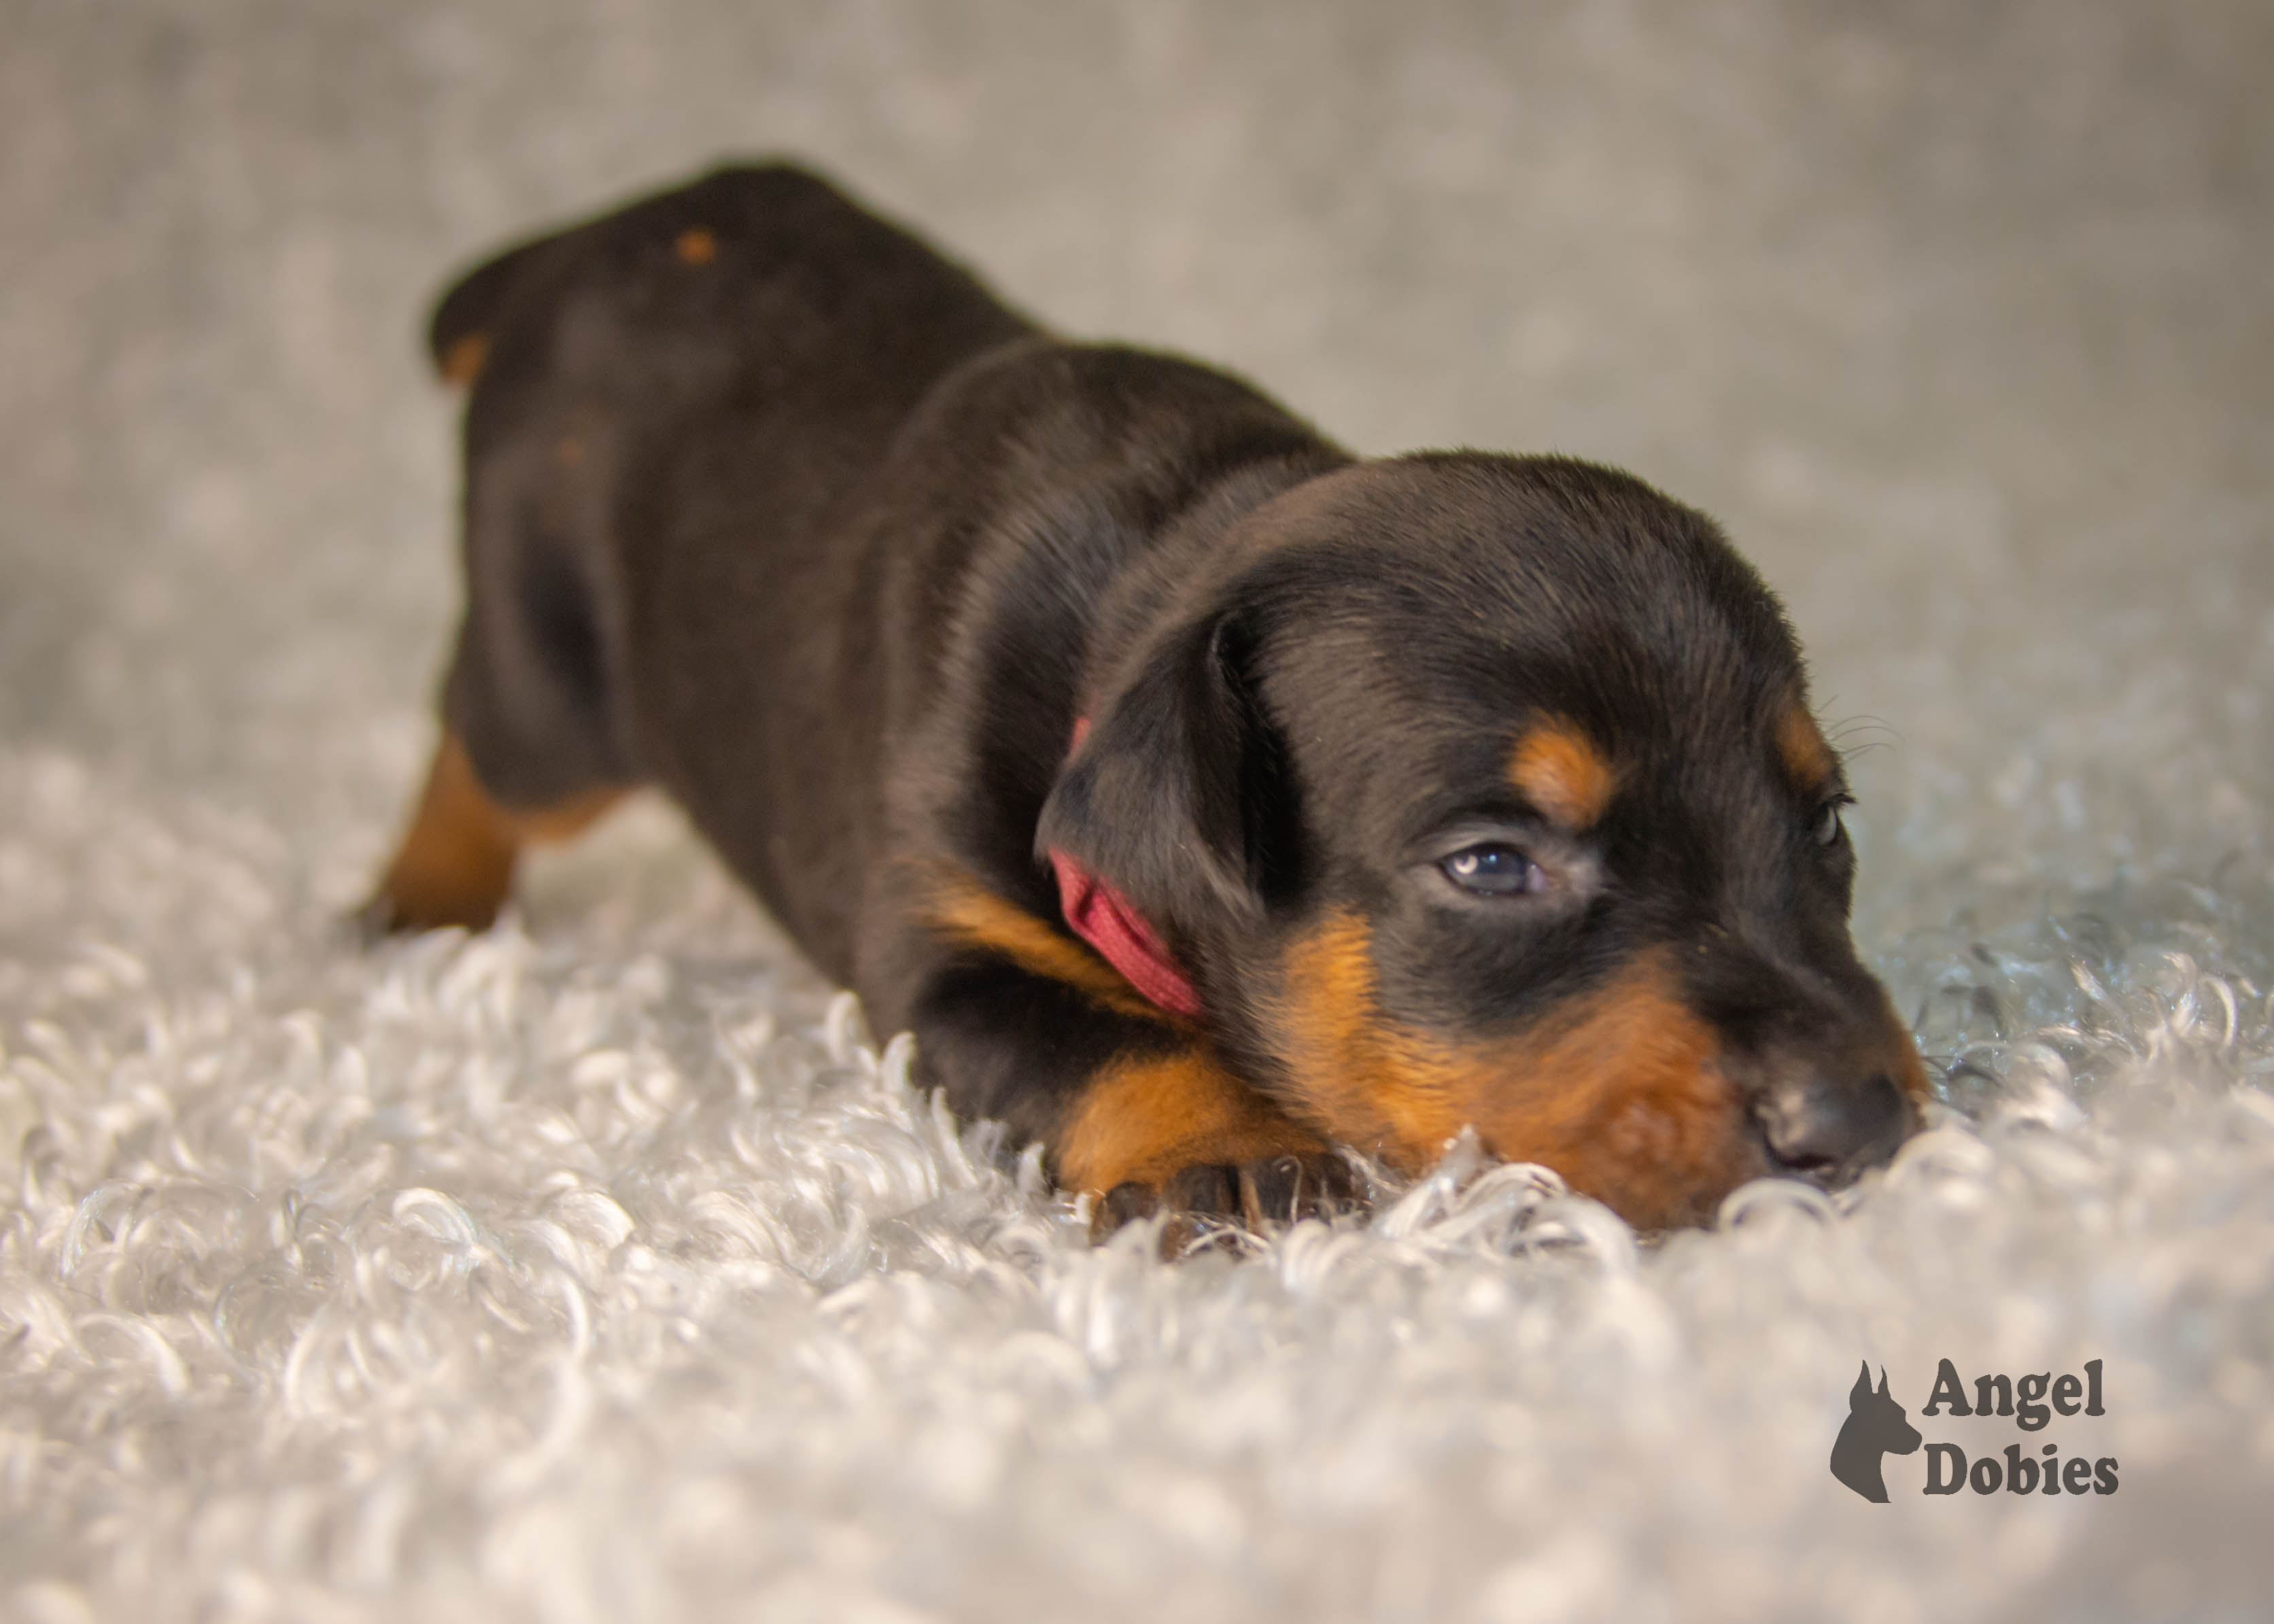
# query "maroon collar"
(1097, 912)
(1103, 917)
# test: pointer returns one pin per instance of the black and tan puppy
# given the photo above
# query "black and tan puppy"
(1203, 797)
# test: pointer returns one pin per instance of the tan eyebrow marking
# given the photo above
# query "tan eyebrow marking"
(697, 245)
(1807, 760)
(1558, 769)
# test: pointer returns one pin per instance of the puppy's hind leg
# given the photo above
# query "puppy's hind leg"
(532, 747)
(455, 863)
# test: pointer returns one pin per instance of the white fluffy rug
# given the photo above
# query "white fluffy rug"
(603, 1268)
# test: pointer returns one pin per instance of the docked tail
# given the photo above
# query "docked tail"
(545, 270)
(458, 337)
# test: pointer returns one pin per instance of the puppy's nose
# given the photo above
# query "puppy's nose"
(1828, 1131)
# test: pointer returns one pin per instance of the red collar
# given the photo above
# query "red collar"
(1097, 912)
(1103, 917)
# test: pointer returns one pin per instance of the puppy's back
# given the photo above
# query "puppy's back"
(757, 266)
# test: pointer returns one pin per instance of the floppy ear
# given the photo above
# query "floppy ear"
(1178, 793)
(1861, 1390)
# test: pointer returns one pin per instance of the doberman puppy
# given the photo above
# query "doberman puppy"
(1204, 798)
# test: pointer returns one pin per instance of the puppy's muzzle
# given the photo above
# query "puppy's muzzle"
(1828, 1124)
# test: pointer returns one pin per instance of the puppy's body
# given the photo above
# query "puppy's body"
(770, 506)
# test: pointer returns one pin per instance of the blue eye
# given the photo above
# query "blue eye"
(1492, 871)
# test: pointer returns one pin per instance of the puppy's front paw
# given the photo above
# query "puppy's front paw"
(1179, 1134)
(1209, 1200)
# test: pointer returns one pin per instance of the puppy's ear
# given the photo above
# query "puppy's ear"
(1179, 795)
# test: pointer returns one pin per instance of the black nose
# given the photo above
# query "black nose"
(1828, 1131)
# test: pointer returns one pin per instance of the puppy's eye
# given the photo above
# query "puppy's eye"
(1492, 869)
(1825, 828)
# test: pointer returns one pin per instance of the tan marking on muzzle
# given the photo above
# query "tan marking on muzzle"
(1620, 1090)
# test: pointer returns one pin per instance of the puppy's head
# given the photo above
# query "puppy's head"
(1484, 791)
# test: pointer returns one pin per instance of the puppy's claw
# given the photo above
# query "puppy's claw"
(1123, 1203)
(1270, 1191)
(1209, 1204)
(1204, 1192)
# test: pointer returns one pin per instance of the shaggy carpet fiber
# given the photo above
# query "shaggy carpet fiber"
(605, 1267)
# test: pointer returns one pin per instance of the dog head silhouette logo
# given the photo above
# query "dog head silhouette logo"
(1876, 1426)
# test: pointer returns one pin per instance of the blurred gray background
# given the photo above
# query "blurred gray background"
(1957, 314)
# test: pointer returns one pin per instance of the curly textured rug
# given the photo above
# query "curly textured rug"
(604, 1268)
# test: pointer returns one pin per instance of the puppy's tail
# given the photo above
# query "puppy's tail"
(458, 337)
